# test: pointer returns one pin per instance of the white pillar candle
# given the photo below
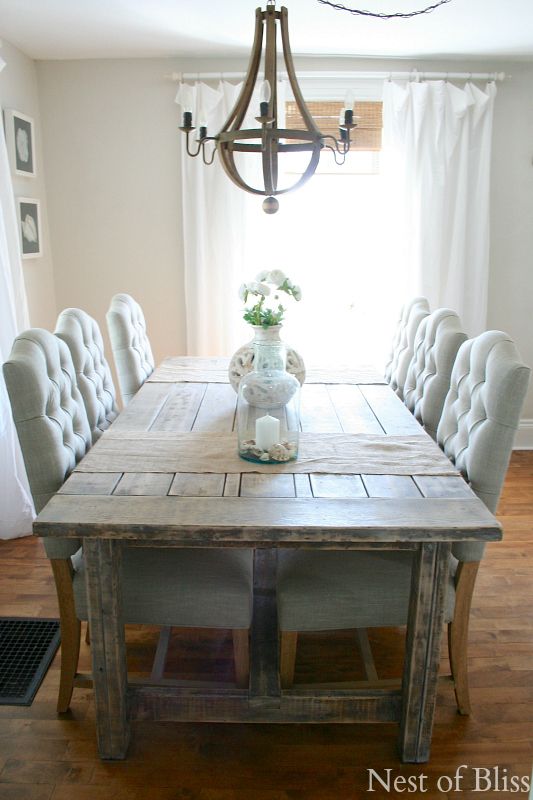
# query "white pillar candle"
(267, 432)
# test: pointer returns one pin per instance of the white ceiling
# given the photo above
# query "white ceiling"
(59, 29)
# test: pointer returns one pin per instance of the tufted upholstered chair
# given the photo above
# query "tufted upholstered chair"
(82, 335)
(187, 588)
(130, 344)
(437, 341)
(403, 342)
(333, 590)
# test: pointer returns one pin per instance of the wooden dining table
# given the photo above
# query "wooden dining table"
(135, 489)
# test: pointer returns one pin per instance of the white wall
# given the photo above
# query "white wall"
(111, 149)
(18, 91)
(511, 271)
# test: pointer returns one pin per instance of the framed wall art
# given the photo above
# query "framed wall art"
(29, 215)
(20, 136)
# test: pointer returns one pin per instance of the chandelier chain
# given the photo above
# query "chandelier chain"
(378, 15)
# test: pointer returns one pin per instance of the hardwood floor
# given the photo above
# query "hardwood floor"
(45, 757)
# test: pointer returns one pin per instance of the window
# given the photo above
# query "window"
(329, 237)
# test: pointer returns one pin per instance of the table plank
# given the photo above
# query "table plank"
(142, 483)
(352, 409)
(180, 409)
(253, 485)
(232, 485)
(91, 483)
(193, 484)
(442, 485)
(302, 484)
(337, 486)
(390, 486)
(393, 416)
(237, 520)
(142, 409)
(217, 410)
(317, 412)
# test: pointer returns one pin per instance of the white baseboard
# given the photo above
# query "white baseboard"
(524, 435)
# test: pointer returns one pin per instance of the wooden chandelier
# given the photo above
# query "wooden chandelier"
(232, 138)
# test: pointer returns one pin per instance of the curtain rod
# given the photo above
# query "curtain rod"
(413, 75)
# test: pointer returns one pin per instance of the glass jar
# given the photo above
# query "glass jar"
(268, 407)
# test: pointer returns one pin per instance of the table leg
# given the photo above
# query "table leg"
(422, 650)
(264, 659)
(108, 646)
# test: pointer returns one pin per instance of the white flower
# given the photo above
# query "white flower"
(277, 277)
(243, 291)
(259, 288)
(264, 275)
(296, 292)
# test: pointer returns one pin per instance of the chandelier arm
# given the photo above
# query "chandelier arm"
(189, 152)
(238, 112)
(336, 152)
(341, 151)
(208, 161)
(310, 124)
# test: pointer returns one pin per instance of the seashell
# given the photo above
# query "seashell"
(257, 452)
(279, 453)
(264, 457)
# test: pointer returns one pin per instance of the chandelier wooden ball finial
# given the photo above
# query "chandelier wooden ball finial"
(270, 205)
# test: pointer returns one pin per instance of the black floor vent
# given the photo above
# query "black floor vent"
(27, 647)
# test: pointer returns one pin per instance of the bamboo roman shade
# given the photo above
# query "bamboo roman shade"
(367, 114)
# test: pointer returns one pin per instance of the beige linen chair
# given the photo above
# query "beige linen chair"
(82, 335)
(130, 344)
(402, 349)
(169, 587)
(437, 341)
(335, 590)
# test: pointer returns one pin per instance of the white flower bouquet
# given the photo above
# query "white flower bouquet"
(267, 284)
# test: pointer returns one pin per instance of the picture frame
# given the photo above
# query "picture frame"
(29, 217)
(20, 138)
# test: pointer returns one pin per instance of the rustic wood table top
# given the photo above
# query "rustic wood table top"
(129, 491)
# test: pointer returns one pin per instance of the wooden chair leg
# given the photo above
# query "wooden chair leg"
(289, 641)
(70, 630)
(241, 656)
(458, 632)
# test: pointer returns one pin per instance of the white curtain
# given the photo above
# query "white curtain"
(16, 507)
(213, 213)
(437, 143)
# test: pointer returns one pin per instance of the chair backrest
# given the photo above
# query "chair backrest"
(437, 341)
(131, 348)
(82, 335)
(481, 415)
(48, 410)
(402, 350)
